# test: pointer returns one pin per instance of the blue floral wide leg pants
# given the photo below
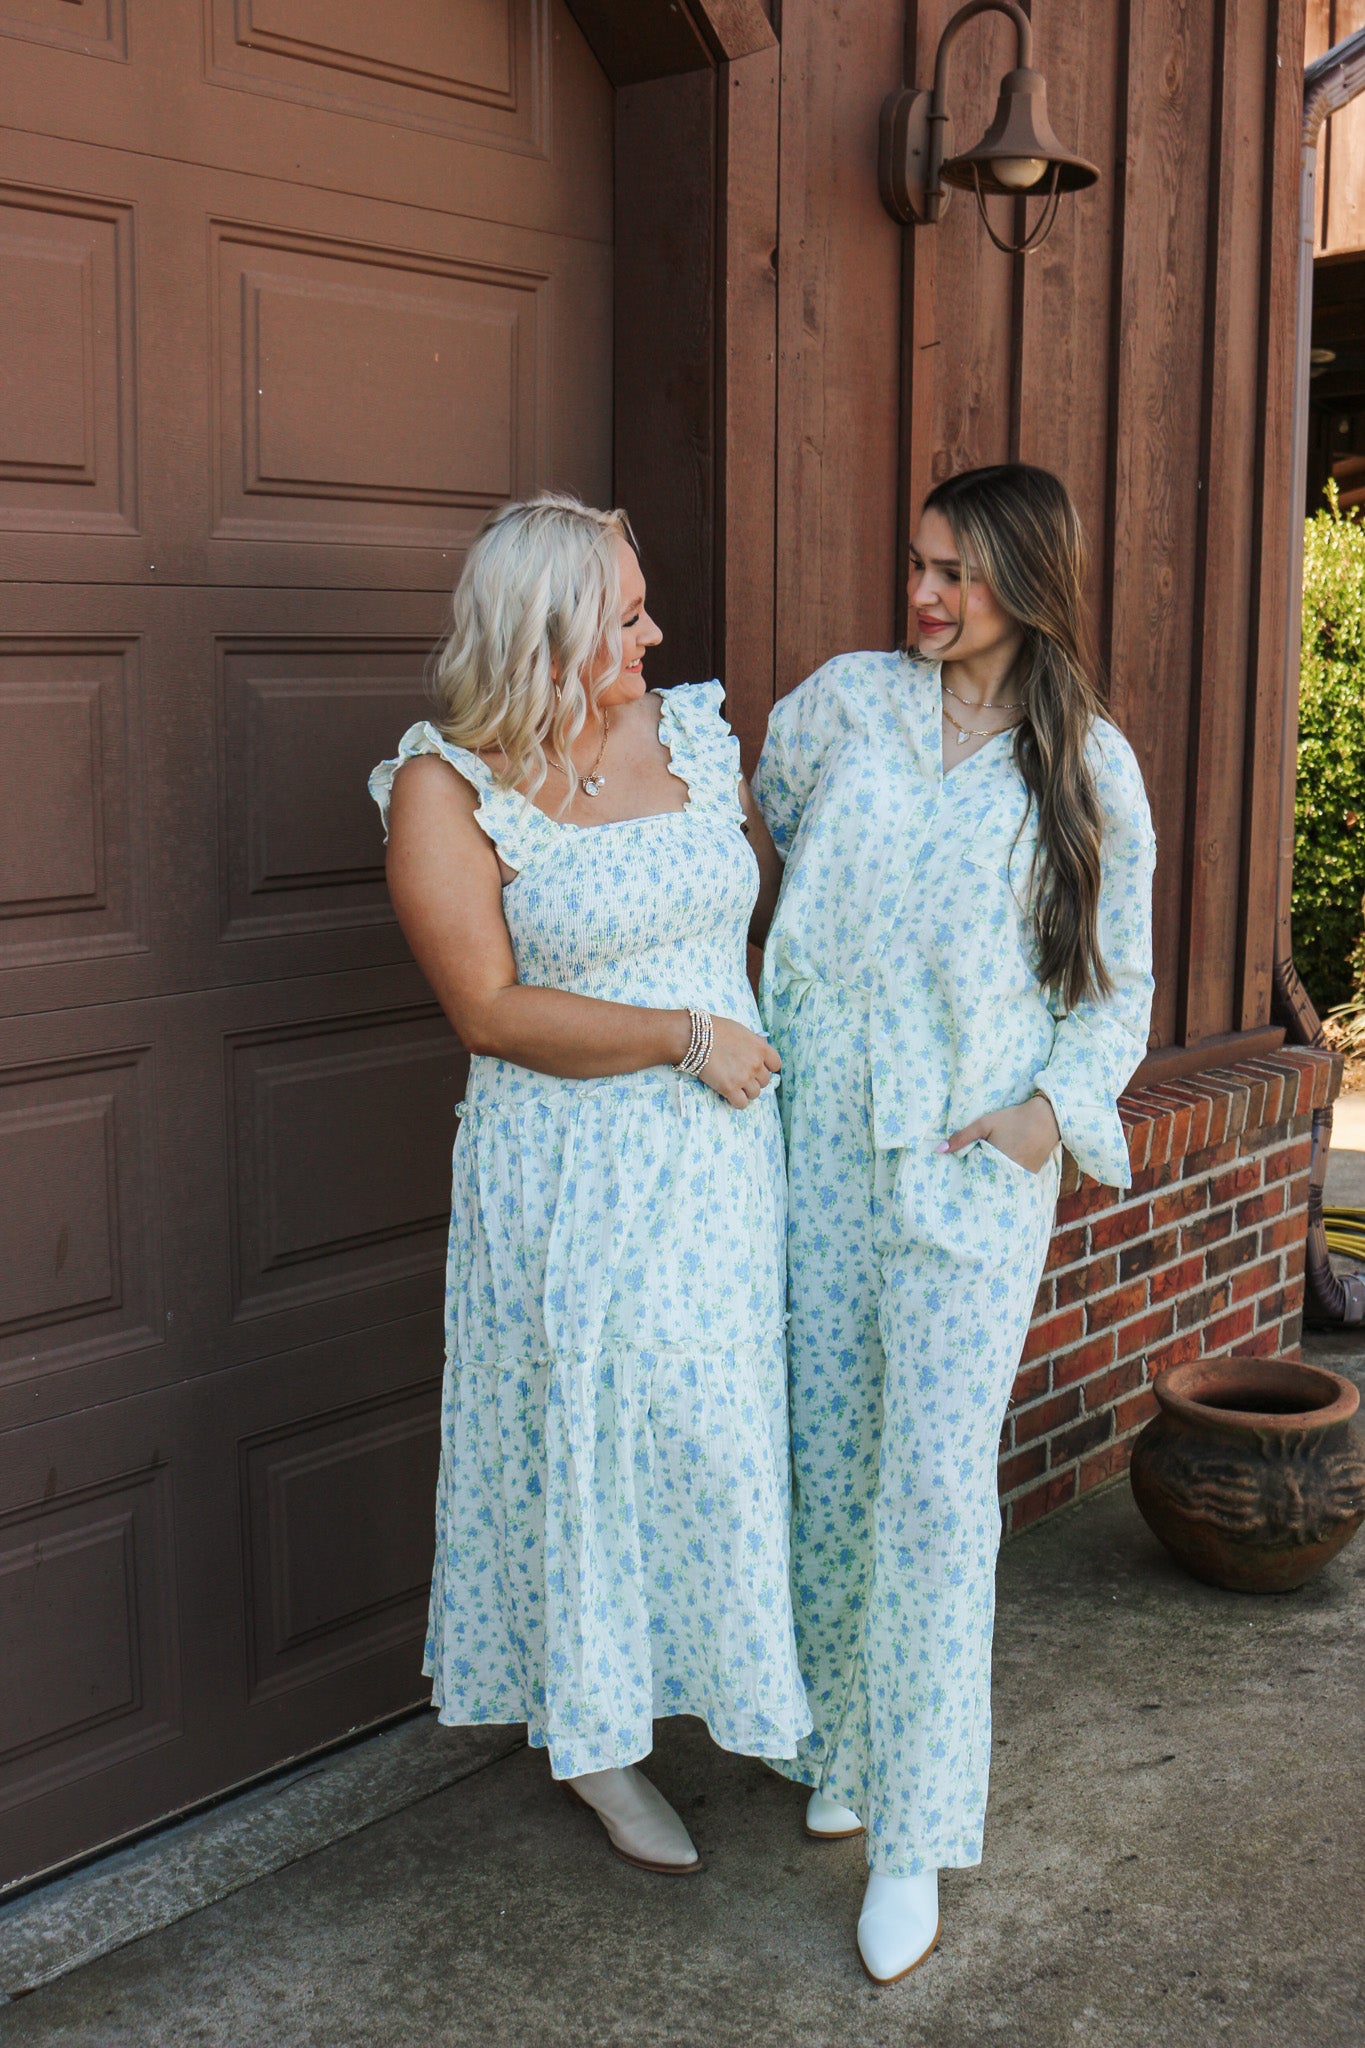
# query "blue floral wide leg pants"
(912, 1278)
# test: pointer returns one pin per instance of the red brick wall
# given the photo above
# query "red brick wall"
(1203, 1253)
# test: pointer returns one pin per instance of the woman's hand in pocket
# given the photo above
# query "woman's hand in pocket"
(1026, 1132)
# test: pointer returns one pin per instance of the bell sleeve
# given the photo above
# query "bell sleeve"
(1098, 1046)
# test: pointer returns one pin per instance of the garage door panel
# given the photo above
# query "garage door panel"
(499, 106)
(73, 843)
(79, 1212)
(94, 28)
(475, 71)
(165, 1578)
(68, 397)
(320, 391)
(193, 809)
(301, 723)
(340, 1132)
(314, 1542)
(432, 411)
(88, 1611)
(337, 1534)
(196, 1181)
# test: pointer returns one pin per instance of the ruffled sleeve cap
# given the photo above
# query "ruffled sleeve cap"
(703, 751)
(516, 827)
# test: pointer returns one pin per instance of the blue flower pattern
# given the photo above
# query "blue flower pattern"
(900, 987)
(613, 1502)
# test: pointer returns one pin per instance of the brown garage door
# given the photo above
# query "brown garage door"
(290, 291)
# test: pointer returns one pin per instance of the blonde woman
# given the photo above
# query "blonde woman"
(959, 980)
(576, 864)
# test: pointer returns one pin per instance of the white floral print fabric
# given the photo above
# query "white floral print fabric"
(900, 988)
(612, 1509)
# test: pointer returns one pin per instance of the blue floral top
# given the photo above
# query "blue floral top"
(909, 886)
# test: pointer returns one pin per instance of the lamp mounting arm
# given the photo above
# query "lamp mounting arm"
(1023, 31)
(938, 102)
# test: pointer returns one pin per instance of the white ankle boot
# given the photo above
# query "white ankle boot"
(898, 1925)
(827, 1821)
(641, 1825)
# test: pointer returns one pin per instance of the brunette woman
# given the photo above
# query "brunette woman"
(576, 863)
(958, 980)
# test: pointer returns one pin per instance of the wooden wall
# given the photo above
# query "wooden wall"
(1144, 354)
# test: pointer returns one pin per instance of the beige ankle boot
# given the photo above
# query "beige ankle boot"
(641, 1825)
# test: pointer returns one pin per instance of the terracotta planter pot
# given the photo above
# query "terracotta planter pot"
(1252, 1475)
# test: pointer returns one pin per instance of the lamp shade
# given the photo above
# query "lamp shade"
(1019, 152)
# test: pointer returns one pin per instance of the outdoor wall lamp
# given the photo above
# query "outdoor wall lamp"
(1018, 154)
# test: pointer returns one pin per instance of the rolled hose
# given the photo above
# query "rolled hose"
(1346, 1232)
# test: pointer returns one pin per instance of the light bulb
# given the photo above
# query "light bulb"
(1018, 173)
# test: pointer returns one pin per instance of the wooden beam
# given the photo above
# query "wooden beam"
(1068, 344)
(1280, 154)
(1159, 328)
(734, 28)
(665, 348)
(1173, 1062)
(636, 40)
(1225, 547)
(746, 391)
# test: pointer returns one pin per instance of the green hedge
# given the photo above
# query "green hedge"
(1329, 809)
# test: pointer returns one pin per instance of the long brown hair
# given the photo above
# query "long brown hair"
(1018, 527)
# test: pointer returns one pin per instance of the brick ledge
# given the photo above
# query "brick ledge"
(1203, 1253)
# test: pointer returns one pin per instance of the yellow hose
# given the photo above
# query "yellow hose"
(1345, 1232)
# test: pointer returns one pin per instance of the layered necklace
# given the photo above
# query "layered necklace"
(972, 732)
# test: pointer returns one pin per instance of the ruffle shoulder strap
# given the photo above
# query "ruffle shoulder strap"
(516, 828)
(704, 751)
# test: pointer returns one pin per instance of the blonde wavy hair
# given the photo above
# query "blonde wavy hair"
(536, 634)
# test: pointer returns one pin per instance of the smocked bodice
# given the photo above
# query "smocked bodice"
(652, 911)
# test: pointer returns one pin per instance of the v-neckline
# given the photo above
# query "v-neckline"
(975, 754)
(931, 735)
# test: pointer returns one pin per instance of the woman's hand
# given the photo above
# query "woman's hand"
(1026, 1132)
(741, 1063)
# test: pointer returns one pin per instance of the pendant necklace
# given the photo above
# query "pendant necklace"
(592, 784)
(970, 732)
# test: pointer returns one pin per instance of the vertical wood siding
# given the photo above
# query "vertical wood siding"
(1143, 355)
(838, 319)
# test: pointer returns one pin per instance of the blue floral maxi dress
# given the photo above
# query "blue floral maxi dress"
(900, 990)
(613, 1503)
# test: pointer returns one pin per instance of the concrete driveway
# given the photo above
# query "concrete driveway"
(1175, 1854)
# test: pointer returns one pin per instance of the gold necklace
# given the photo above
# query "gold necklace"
(998, 705)
(592, 784)
(969, 732)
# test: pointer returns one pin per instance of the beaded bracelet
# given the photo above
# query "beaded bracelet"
(699, 1051)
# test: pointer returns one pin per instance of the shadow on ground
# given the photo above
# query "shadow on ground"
(1173, 1855)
